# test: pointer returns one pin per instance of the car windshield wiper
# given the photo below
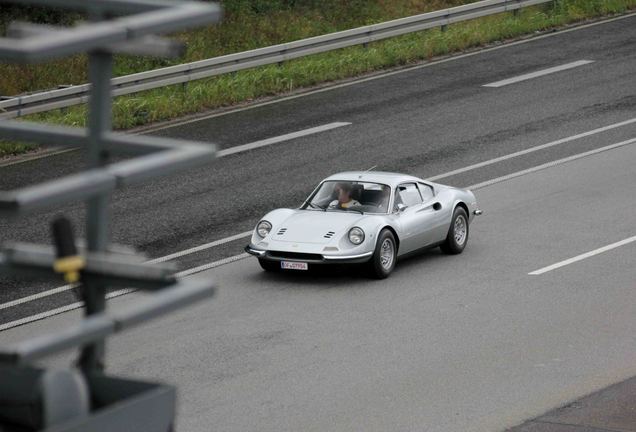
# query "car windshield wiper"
(355, 210)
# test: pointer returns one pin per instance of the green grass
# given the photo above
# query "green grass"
(13, 148)
(226, 90)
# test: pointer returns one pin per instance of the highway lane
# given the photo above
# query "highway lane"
(30, 307)
(448, 343)
(425, 121)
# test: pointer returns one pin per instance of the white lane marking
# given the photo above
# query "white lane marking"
(42, 315)
(583, 256)
(37, 296)
(200, 248)
(382, 75)
(77, 305)
(374, 76)
(57, 311)
(234, 258)
(247, 233)
(220, 153)
(274, 140)
(347, 84)
(538, 73)
(233, 150)
(534, 149)
(450, 173)
(152, 261)
(212, 265)
(550, 164)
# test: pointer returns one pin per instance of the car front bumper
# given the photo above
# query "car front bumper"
(310, 258)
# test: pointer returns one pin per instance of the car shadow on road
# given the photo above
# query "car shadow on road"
(346, 276)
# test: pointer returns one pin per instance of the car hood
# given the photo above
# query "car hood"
(307, 226)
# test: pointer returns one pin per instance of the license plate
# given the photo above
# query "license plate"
(292, 265)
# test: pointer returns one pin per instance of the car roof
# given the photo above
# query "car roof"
(389, 178)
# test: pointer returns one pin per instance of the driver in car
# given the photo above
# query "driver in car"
(344, 196)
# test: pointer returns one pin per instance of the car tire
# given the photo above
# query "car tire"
(269, 266)
(457, 233)
(384, 256)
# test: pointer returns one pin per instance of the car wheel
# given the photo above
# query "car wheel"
(269, 266)
(457, 233)
(384, 257)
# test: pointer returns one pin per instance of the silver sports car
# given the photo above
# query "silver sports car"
(364, 217)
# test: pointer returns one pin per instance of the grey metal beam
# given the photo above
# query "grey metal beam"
(57, 192)
(99, 181)
(118, 6)
(89, 329)
(159, 164)
(97, 35)
(148, 45)
(143, 143)
(162, 157)
(120, 270)
(46, 47)
(152, 46)
(186, 292)
(63, 136)
(97, 327)
(45, 135)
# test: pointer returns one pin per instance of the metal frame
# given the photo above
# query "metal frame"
(100, 265)
(74, 95)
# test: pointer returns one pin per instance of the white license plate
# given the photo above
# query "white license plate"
(292, 265)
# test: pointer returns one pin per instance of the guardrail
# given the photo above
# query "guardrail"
(74, 95)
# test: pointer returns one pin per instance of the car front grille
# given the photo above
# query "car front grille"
(295, 255)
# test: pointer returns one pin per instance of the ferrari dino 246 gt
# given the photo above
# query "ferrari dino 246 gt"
(365, 217)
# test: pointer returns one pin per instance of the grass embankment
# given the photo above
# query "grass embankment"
(248, 27)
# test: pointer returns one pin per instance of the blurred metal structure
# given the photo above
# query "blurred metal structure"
(70, 400)
(75, 95)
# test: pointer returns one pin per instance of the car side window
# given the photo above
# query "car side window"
(426, 191)
(408, 194)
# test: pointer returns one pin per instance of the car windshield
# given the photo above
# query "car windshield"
(363, 197)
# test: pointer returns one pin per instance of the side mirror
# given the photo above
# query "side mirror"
(400, 208)
(437, 206)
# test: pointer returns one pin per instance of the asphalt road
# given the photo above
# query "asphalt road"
(448, 343)
(425, 121)
(470, 342)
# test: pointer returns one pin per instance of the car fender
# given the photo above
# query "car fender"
(275, 217)
(467, 198)
(371, 225)
(374, 225)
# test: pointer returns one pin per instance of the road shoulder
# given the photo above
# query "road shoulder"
(610, 409)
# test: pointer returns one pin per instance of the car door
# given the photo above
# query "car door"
(414, 218)
(434, 215)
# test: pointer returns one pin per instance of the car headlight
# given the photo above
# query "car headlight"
(356, 235)
(263, 228)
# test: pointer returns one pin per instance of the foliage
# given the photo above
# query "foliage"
(254, 23)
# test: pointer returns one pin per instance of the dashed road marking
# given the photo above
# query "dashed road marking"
(582, 256)
(534, 149)
(281, 138)
(539, 73)
(550, 164)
